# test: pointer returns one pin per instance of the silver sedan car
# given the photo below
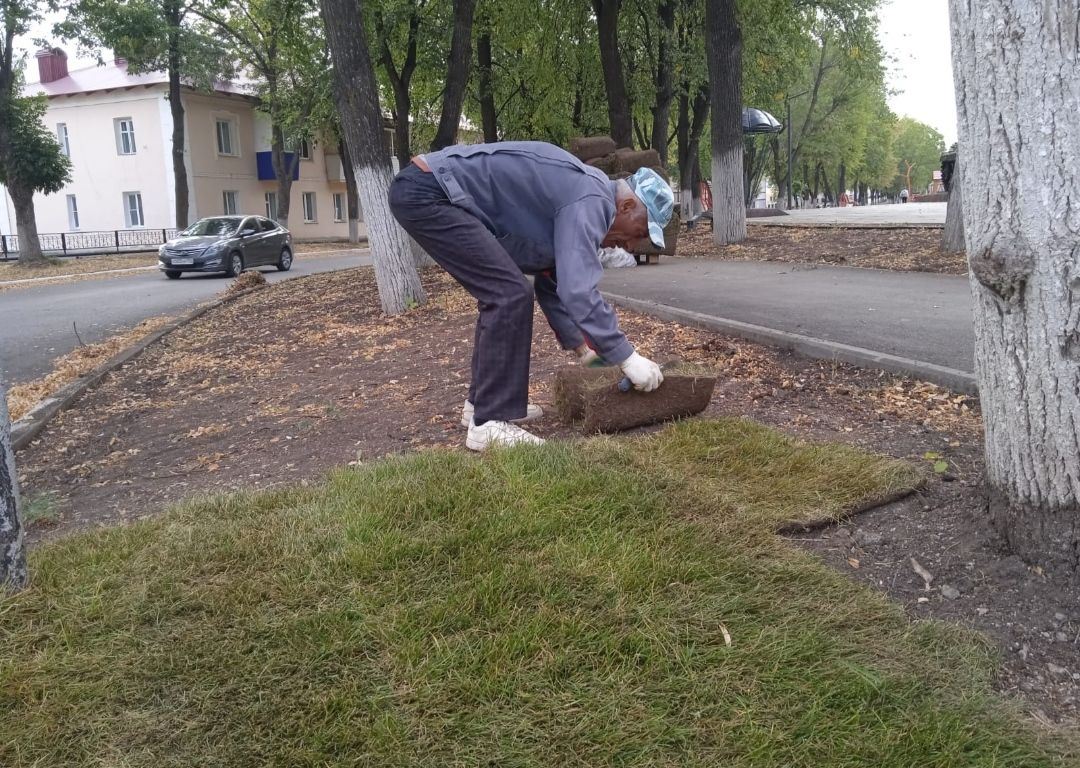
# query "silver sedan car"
(228, 244)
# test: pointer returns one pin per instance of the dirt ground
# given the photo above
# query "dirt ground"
(905, 250)
(263, 391)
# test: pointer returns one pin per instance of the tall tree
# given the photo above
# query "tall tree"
(485, 81)
(918, 148)
(357, 96)
(399, 75)
(1018, 144)
(723, 43)
(154, 36)
(619, 115)
(279, 41)
(13, 571)
(30, 159)
(458, 66)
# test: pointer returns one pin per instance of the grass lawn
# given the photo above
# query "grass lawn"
(606, 602)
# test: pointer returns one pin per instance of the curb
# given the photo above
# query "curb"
(771, 221)
(950, 378)
(29, 426)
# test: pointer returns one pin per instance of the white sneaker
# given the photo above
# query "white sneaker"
(532, 413)
(498, 433)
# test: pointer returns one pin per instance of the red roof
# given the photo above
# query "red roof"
(111, 77)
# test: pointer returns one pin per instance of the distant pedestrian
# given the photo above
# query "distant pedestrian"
(903, 195)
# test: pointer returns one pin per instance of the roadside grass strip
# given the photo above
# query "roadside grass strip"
(608, 602)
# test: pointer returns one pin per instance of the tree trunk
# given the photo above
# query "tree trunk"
(22, 199)
(953, 238)
(607, 22)
(283, 170)
(779, 174)
(400, 84)
(13, 572)
(488, 115)
(457, 74)
(1017, 167)
(176, 107)
(361, 118)
(689, 130)
(665, 81)
(723, 43)
(841, 181)
(352, 200)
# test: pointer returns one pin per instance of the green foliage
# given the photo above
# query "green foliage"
(33, 159)
(141, 32)
(919, 146)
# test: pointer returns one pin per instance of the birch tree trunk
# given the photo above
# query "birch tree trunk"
(1015, 67)
(13, 571)
(361, 119)
(723, 43)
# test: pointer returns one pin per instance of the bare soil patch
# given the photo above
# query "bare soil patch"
(282, 384)
(903, 250)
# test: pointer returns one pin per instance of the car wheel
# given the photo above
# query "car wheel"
(284, 263)
(236, 264)
(172, 274)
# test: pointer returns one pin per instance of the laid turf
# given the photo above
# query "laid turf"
(604, 603)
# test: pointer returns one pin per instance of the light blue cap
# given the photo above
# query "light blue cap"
(659, 200)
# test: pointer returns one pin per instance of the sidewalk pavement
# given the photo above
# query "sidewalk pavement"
(912, 323)
(884, 215)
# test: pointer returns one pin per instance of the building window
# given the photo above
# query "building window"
(73, 213)
(339, 206)
(226, 137)
(228, 203)
(271, 205)
(62, 137)
(309, 207)
(133, 212)
(125, 135)
(305, 149)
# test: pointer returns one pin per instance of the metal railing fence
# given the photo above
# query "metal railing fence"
(90, 243)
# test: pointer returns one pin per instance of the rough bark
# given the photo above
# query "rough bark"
(400, 81)
(176, 108)
(352, 199)
(284, 167)
(484, 73)
(1015, 68)
(607, 22)
(723, 43)
(457, 74)
(13, 572)
(952, 240)
(691, 126)
(361, 119)
(22, 199)
(665, 80)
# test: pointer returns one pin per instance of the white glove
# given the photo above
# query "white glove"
(643, 373)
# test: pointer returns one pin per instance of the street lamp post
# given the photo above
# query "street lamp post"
(787, 129)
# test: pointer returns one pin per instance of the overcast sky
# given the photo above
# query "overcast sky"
(914, 33)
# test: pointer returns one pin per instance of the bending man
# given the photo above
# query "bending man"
(489, 214)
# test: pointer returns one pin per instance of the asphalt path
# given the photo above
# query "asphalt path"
(914, 315)
(41, 323)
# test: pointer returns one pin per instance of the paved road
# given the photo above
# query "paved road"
(887, 214)
(36, 323)
(912, 315)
